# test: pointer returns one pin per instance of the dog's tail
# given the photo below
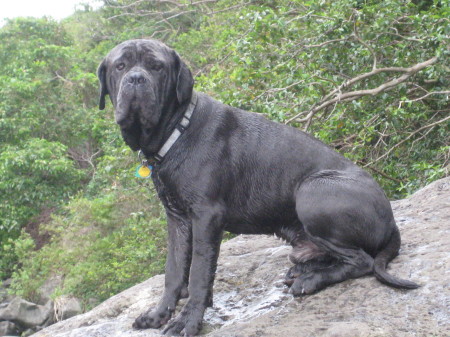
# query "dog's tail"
(384, 257)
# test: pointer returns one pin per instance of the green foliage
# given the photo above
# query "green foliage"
(46, 128)
(34, 175)
(41, 95)
(100, 246)
(12, 250)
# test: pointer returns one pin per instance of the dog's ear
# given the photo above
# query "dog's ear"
(101, 73)
(185, 81)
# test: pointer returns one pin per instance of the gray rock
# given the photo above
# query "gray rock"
(8, 329)
(27, 333)
(26, 314)
(250, 299)
(48, 288)
(7, 283)
(4, 296)
(66, 307)
(354, 329)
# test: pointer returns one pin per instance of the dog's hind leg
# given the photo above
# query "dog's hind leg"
(306, 257)
(347, 216)
(350, 263)
(300, 268)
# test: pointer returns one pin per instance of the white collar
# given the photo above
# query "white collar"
(179, 129)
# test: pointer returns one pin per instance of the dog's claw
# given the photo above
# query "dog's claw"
(152, 319)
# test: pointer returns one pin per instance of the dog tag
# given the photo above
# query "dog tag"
(143, 171)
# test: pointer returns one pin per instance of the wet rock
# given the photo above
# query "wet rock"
(26, 314)
(8, 329)
(250, 298)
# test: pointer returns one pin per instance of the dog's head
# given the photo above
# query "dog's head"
(146, 81)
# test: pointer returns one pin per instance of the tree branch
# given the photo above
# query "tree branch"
(324, 43)
(428, 94)
(174, 8)
(337, 96)
(381, 173)
(405, 139)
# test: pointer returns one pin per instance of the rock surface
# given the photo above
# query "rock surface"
(8, 329)
(66, 307)
(46, 291)
(4, 296)
(250, 299)
(26, 314)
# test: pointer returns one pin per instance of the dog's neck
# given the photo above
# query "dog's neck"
(170, 129)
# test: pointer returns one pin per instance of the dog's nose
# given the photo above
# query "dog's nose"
(136, 78)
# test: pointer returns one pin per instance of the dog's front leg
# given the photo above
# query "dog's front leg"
(207, 231)
(177, 273)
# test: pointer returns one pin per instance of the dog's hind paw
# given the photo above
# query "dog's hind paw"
(305, 284)
(153, 319)
(291, 275)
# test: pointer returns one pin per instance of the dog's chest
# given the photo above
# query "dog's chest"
(169, 195)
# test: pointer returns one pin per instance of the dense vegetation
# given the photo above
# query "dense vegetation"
(370, 78)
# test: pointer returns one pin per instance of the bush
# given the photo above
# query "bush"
(100, 247)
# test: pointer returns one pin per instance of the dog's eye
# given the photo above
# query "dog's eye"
(156, 66)
(120, 66)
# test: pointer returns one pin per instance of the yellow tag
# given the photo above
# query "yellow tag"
(143, 171)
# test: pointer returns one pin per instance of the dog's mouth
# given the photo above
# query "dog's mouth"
(138, 125)
(131, 129)
(128, 109)
(137, 113)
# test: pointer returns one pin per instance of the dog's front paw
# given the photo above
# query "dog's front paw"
(187, 323)
(153, 319)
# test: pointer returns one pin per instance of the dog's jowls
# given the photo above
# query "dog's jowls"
(232, 170)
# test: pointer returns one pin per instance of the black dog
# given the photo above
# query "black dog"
(219, 168)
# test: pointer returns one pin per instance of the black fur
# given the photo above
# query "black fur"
(236, 171)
